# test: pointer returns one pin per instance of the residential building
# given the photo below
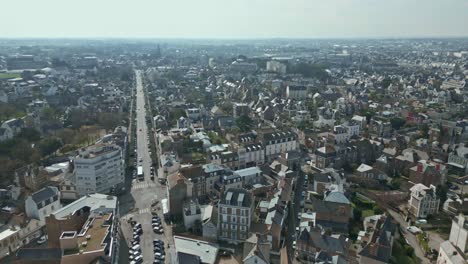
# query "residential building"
(13, 127)
(176, 188)
(68, 191)
(251, 155)
(42, 203)
(459, 233)
(210, 222)
(256, 250)
(9, 239)
(330, 214)
(276, 66)
(234, 215)
(458, 160)
(277, 142)
(298, 92)
(428, 173)
(325, 156)
(240, 109)
(192, 213)
(378, 240)
(423, 201)
(316, 247)
(368, 172)
(84, 230)
(31, 177)
(450, 254)
(99, 168)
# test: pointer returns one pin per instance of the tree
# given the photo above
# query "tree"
(441, 192)
(49, 145)
(109, 121)
(397, 122)
(245, 123)
(29, 134)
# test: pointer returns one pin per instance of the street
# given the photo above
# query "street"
(410, 238)
(145, 195)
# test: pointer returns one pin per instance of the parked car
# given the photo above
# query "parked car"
(42, 240)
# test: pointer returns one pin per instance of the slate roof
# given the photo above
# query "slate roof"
(233, 195)
(44, 194)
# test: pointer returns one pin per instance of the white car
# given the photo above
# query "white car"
(41, 240)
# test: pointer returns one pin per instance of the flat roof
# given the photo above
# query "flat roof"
(94, 201)
(7, 231)
(207, 251)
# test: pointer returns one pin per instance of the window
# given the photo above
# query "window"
(242, 220)
(224, 210)
(243, 228)
(234, 220)
(225, 218)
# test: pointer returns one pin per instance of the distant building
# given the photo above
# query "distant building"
(276, 66)
(298, 92)
(240, 109)
(423, 201)
(240, 66)
(234, 215)
(99, 169)
(428, 173)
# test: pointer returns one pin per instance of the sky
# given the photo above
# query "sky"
(233, 18)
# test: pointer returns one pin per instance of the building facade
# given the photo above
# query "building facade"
(234, 215)
(423, 201)
(100, 168)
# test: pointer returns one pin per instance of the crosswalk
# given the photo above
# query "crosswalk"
(131, 215)
(144, 210)
(143, 185)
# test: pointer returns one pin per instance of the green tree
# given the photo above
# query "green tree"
(49, 145)
(397, 122)
(245, 123)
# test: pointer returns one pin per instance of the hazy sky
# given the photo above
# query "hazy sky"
(233, 18)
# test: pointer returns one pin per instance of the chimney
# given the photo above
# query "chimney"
(438, 166)
(420, 167)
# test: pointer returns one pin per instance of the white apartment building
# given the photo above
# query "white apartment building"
(99, 168)
(234, 215)
(298, 92)
(276, 66)
(251, 155)
(42, 203)
(277, 142)
(423, 201)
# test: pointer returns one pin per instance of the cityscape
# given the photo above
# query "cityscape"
(257, 150)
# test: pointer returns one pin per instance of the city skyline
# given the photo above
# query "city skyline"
(243, 19)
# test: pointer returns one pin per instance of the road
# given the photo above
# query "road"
(410, 238)
(137, 204)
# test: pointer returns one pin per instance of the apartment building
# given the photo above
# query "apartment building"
(277, 142)
(99, 169)
(234, 215)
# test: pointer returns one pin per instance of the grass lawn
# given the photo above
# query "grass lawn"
(5, 75)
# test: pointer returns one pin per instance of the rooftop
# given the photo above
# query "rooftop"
(97, 230)
(94, 201)
(207, 251)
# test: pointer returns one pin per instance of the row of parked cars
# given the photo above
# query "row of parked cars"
(134, 253)
(135, 256)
